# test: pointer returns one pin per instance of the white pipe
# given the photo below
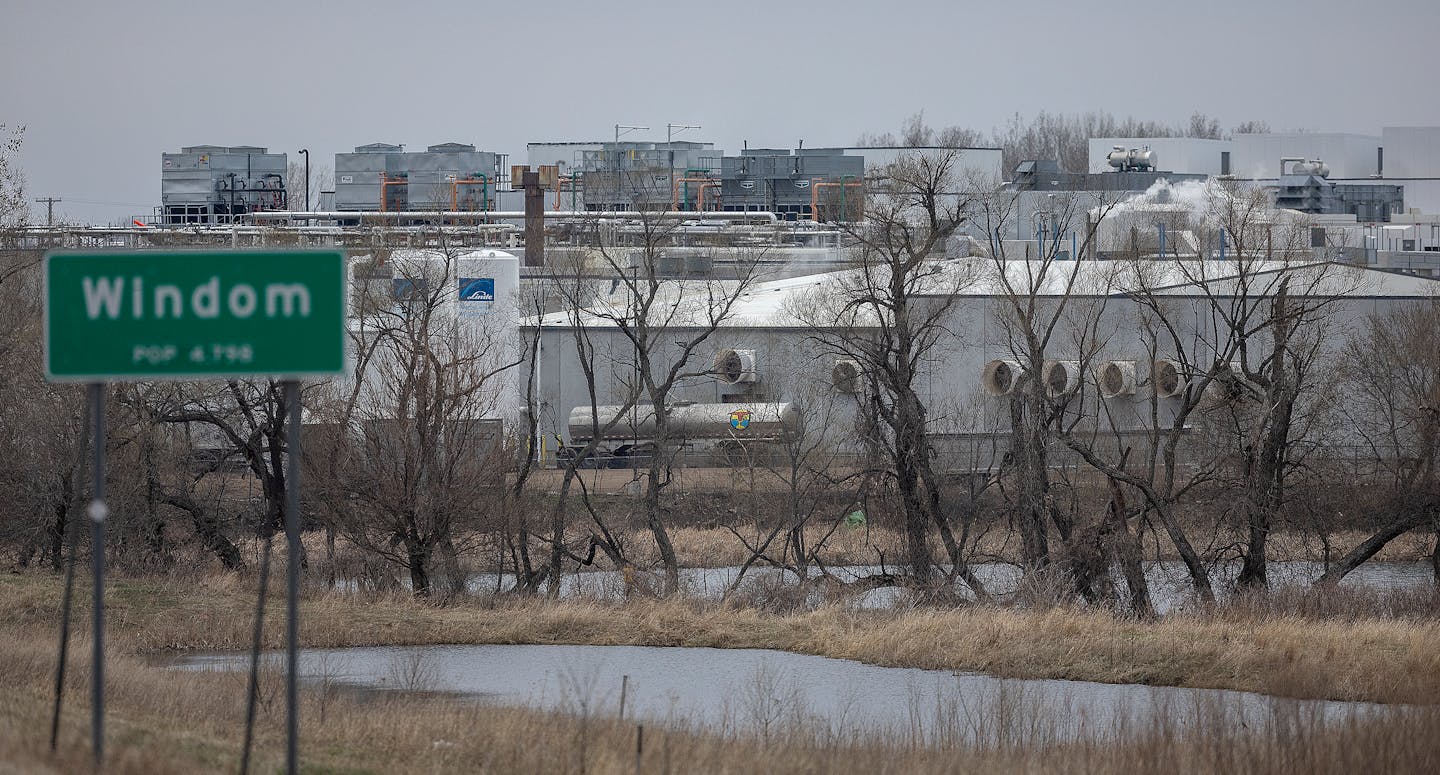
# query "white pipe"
(273, 215)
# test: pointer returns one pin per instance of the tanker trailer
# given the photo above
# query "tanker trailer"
(705, 434)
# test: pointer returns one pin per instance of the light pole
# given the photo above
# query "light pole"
(306, 153)
(623, 129)
(670, 130)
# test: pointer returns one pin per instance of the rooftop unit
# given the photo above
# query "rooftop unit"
(447, 176)
(635, 175)
(793, 183)
(209, 184)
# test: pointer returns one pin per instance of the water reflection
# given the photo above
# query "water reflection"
(760, 691)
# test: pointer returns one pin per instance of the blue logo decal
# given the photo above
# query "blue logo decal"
(477, 289)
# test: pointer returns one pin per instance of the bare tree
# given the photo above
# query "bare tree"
(1392, 387)
(1052, 312)
(246, 421)
(579, 292)
(14, 209)
(815, 466)
(891, 315)
(417, 450)
(666, 320)
(1234, 344)
(1251, 128)
(42, 428)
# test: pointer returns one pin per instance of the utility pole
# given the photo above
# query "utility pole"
(49, 203)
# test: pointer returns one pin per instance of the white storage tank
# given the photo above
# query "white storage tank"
(475, 288)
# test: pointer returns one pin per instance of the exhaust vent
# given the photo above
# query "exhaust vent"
(1061, 377)
(845, 376)
(1168, 378)
(734, 367)
(1230, 384)
(1001, 377)
(1116, 378)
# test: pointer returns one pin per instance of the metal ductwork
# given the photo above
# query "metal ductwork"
(734, 367)
(1168, 378)
(845, 376)
(1061, 377)
(1115, 378)
(1001, 377)
(1230, 384)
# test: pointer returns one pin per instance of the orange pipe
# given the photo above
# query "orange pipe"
(700, 197)
(815, 196)
(455, 191)
(675, 189)
(560, 179)
(387, 182)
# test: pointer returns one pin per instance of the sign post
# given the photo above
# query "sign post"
(153, 315)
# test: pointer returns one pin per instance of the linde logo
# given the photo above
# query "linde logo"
(110, 298)
(477, 289)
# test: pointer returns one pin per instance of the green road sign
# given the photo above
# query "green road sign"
(193, 314)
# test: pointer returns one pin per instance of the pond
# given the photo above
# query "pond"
(756, 691)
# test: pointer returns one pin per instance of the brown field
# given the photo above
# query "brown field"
(1349, 646)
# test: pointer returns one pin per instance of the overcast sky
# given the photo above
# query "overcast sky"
(105, 87)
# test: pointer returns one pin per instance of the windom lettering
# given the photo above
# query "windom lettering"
(107, 298)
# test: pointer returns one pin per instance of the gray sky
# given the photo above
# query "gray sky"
(105, 87)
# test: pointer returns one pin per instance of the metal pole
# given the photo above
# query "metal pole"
(292, 576)
(97, 513)
(306, 152)
(252, 693)
(70, 540)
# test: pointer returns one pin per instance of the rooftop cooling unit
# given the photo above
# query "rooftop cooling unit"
(845, 376)
(734, 367)
(1116, 378)
(1061, 377)
(1000, 377)
(1168, 378)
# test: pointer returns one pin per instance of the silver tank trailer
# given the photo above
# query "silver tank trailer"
(693, 422)
(720, 434)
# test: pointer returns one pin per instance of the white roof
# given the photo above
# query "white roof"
(797, 301)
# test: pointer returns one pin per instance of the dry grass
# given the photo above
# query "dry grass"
(1244, 646)
(161, 721)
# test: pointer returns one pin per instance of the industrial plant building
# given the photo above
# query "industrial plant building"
(1365, 173)
(770, 363)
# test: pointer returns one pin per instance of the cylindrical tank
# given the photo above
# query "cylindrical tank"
(754, 422)
(1143, 159)
(1118, 157)
(1310, 167)
(1133, 159)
